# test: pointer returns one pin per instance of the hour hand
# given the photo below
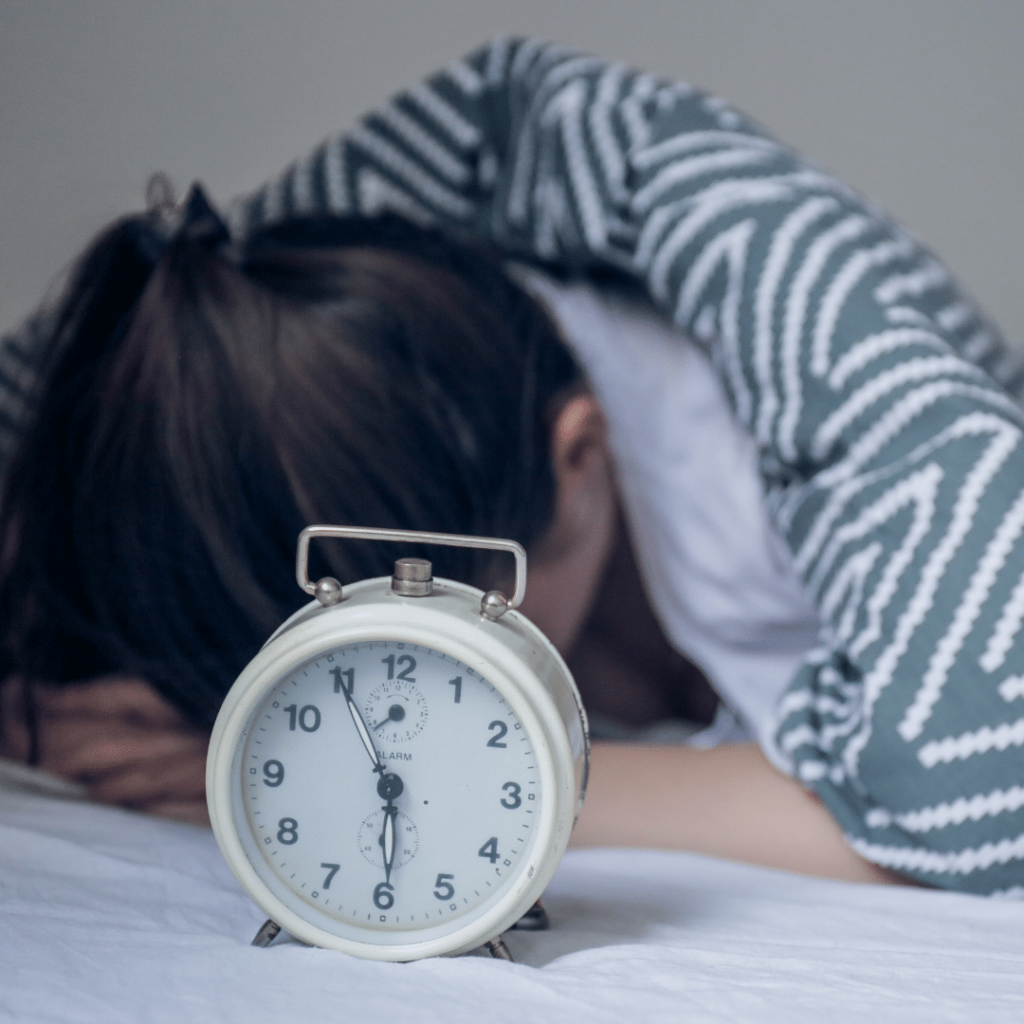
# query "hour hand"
(389, 787)
(387, 840)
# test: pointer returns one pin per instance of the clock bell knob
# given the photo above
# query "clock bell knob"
(412, 577)
(327, 591)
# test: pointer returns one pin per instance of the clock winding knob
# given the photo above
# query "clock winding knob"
(412, 577)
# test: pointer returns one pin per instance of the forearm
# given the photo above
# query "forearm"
(116, 737)
(724, 802)
(892, 468)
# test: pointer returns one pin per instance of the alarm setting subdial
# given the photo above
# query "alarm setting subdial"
(371, 838)
(395, 711)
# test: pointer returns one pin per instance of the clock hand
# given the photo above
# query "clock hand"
(387, 840)
(389, 787)
(395, 714)
(357, 721)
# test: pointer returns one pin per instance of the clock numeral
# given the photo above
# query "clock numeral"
(495, 740)
(490, 850)
(382, 896)
(287, 831)
(403, 659)
(331, 872)
(308, 717)
(344, 680)
(443, 888)
(513, 800)
(274, 772)
(457, 683)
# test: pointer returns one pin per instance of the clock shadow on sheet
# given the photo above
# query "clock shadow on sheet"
(581, 922)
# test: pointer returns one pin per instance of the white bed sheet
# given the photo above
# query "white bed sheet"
(112, 916)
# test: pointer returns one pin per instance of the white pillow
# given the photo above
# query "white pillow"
(720, 579)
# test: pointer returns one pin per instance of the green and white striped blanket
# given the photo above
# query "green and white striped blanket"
(881, 400)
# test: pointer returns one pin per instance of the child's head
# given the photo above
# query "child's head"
(201, 405)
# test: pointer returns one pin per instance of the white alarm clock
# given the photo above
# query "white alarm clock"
(397, 771)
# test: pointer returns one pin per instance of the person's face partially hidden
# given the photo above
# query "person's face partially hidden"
(126, 745)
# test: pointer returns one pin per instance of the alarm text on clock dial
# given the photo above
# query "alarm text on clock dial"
(430, 845)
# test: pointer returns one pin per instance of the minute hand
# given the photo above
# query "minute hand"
(364, 735)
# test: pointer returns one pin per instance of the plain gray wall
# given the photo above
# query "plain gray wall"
(918, 103)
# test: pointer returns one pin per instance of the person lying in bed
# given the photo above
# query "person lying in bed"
(206, 393)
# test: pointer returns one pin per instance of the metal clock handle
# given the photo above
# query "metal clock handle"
(328, 590)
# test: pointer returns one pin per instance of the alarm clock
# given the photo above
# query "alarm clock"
(397, 771)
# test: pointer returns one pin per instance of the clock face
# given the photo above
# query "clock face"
(388, 785)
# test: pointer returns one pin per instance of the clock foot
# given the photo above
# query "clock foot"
(534, 920)
(266, 935)
(498, 950)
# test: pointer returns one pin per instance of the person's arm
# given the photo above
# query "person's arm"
(892, 464)
(116, 737)
(724, 802)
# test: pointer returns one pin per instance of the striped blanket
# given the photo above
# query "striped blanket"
(883, 404)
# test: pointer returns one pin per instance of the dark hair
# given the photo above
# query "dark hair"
(200, 407)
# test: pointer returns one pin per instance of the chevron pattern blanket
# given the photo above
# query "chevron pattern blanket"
(885, 407)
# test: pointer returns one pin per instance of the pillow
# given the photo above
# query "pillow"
(719, 578)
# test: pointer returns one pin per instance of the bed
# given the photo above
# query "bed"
(112, 916)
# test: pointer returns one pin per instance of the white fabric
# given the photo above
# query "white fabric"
(109, 916)
(719, 578)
